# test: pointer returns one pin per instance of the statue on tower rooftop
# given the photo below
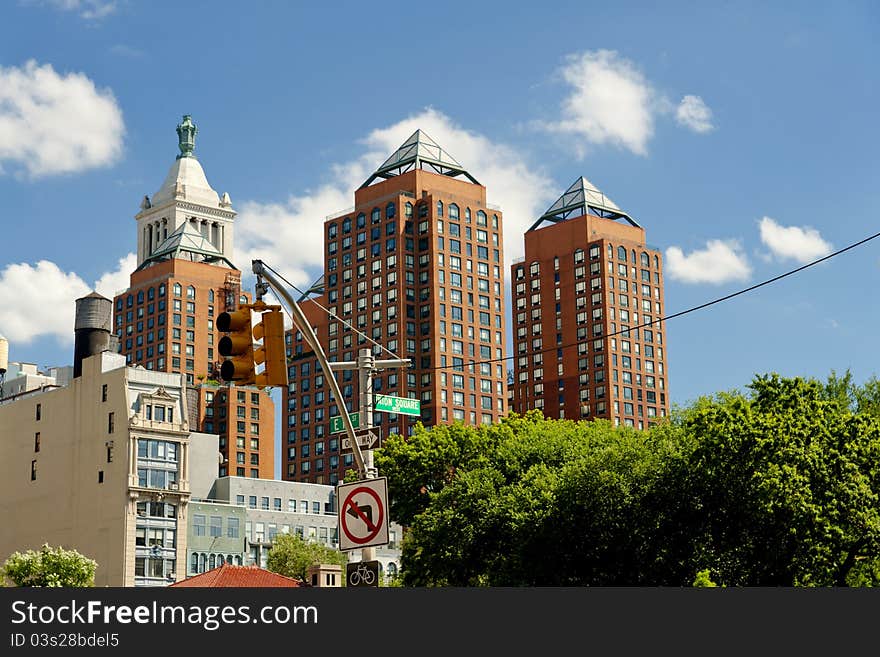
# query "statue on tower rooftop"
(186, 136)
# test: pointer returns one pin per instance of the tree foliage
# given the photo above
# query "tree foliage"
(50, 567)
(778, 486)
(291, 556)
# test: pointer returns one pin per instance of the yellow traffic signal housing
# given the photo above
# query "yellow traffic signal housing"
(238, 346)
(272, 353)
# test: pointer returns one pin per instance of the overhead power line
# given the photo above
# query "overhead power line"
(701, 306)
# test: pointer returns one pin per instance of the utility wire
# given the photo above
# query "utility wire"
(608, 335)
(673, 316)
(332, 315)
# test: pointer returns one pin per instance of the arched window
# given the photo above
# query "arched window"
(610, 251)
(361, 220)
(621, 253)
(481, 218)
(389, 211)
(375, 216)
(633, 260)
(129, 301)
(423, 210)
(151, 293)
(646, 261)
(346, 225)
(194, 563)
(178, 289)
(453, 211)
(140, 296)
(392, 569)
(211, 296)
(439, 208)
(656, 261)
(202, 563)
(190, 292)
(237, 560)
(162, 290)
(467, 215)
(408, 209)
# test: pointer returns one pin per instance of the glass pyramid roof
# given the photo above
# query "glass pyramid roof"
(581, 198)
(186, 243)
(419, 152)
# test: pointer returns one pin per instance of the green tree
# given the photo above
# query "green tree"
(787, 484)
(50, 566)
(775, 486)
(291, 556)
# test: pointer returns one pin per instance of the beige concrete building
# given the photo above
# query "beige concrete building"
(100, 466)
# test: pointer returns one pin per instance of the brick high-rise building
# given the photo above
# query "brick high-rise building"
(417, 267)
(184, 279)
(587, 281)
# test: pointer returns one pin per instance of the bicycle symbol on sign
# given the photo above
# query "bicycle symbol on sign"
(361, 574)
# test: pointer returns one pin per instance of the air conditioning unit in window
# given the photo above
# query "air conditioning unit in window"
(173, 486)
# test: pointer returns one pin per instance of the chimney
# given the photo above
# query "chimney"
(91, 328)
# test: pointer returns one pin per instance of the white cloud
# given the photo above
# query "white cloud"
(38, 300)
(54, 124)
(694, 114)
(611, 102)
(793, 242)
(289, 237)
(88, 9)
(721, 261)
(113, 282)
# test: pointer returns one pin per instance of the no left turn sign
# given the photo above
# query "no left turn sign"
(363, 515)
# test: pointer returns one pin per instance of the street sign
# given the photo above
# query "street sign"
(338, 426)
(363, 516)
(367, 438)
(402, 405)
(362, 573)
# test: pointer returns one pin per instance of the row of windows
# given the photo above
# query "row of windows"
(643, 259)
(454, 213)
(277, 504)
(202, 526)
(151, 293)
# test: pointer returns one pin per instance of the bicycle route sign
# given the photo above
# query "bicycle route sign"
(362, 573)
(363, 514)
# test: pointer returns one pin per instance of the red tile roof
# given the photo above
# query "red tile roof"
(239, 576)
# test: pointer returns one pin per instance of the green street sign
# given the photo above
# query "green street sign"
(338, 426)
(402, 405)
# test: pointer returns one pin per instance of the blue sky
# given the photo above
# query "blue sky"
(743, 136)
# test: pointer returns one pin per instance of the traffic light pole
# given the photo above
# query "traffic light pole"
(366, 365)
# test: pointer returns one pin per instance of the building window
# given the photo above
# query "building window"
(34, 470)
(37, 442)
(110, 422)
(39, 412)
(199, 522)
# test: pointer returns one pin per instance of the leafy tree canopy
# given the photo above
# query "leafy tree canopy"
(778, 486)
(291, 556)
(50, 566)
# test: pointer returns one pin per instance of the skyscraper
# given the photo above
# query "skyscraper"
(184, 279)
(587, 300)
(416, 267)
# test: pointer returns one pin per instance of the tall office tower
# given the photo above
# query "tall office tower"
(587, 298)
(184, 279)
(415, 266)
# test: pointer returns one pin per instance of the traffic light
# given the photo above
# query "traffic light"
(272, 353)
(238, 346)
